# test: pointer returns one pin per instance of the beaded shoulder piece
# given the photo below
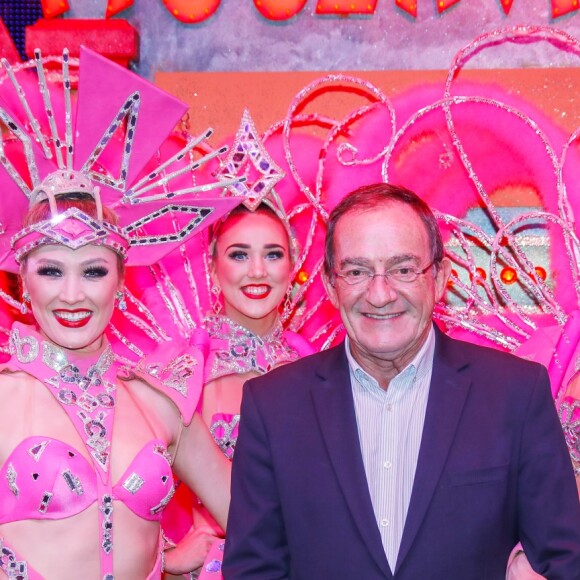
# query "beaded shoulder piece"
(234, 349)
(569, 412)
(175, 369)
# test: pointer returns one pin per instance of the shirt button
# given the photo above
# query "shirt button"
(389, 407)
(387, 465)
(384, 522)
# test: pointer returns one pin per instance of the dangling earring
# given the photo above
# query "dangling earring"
(121, 302)
(23, 304)
(216, 302)
(288, 305)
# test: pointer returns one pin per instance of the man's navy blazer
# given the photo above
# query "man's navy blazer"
(493, 469)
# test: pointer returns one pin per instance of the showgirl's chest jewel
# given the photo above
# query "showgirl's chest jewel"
(236, 350)
(87, 397)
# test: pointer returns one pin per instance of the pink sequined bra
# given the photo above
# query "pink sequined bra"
(49, 479)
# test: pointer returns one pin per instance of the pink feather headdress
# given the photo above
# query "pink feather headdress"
(99, 145)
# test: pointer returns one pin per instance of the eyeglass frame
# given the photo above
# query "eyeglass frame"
(366, 279)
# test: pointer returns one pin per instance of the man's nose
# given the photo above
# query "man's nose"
(380, 290)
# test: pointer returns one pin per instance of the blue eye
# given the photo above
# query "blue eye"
(96, 272)
(238, 255)
(275, 255)
(49, 271)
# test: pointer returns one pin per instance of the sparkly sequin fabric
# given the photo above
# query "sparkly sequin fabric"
(237, 350)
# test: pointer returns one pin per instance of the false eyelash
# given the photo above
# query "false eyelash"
(277, 254)
(96, 272)
(237, 255)
(49, 271)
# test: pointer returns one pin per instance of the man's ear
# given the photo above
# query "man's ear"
(330, 290)
(442, 277)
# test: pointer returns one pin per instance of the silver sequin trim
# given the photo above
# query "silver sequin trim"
(14, 569)
(161, 505)
(133, 483)
(43, 507)
(25, 349)
(73, 482)
(11, 476)
(37, 450)
(107, 509)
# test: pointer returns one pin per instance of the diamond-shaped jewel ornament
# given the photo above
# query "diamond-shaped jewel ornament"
(72, 229)
(247, 157)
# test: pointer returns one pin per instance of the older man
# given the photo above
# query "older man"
(401, 453)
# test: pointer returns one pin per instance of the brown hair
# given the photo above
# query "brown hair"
(41, 211)
(371, 196)
(239, 210)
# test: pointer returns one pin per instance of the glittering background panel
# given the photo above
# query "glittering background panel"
(238, 38)
(504, 151)
(217, 100)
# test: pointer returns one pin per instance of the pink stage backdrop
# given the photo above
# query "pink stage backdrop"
(392, 126)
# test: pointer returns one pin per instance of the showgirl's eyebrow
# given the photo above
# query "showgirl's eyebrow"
(60, 263)
(249, 246)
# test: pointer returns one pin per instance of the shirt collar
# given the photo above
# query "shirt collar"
(421, 364)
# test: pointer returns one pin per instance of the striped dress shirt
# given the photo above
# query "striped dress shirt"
(390, 425)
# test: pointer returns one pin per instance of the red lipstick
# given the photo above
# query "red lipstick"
(256, 291)
(73, 318)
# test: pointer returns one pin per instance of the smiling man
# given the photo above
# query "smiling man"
(401, 453)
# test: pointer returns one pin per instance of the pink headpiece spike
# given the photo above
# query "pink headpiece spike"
(118, 157)
(149, 237)
(253, 174)
(119, 95)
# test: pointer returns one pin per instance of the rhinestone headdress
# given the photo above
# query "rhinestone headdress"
(102, 146)
(253, 175)
(257, 173)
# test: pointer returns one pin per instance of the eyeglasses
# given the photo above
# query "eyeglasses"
(400, 274)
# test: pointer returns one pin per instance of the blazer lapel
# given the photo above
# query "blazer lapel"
(447, 394)
(334, 406)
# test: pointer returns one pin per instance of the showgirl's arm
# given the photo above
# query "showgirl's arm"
(204, 469)
(573, 388)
